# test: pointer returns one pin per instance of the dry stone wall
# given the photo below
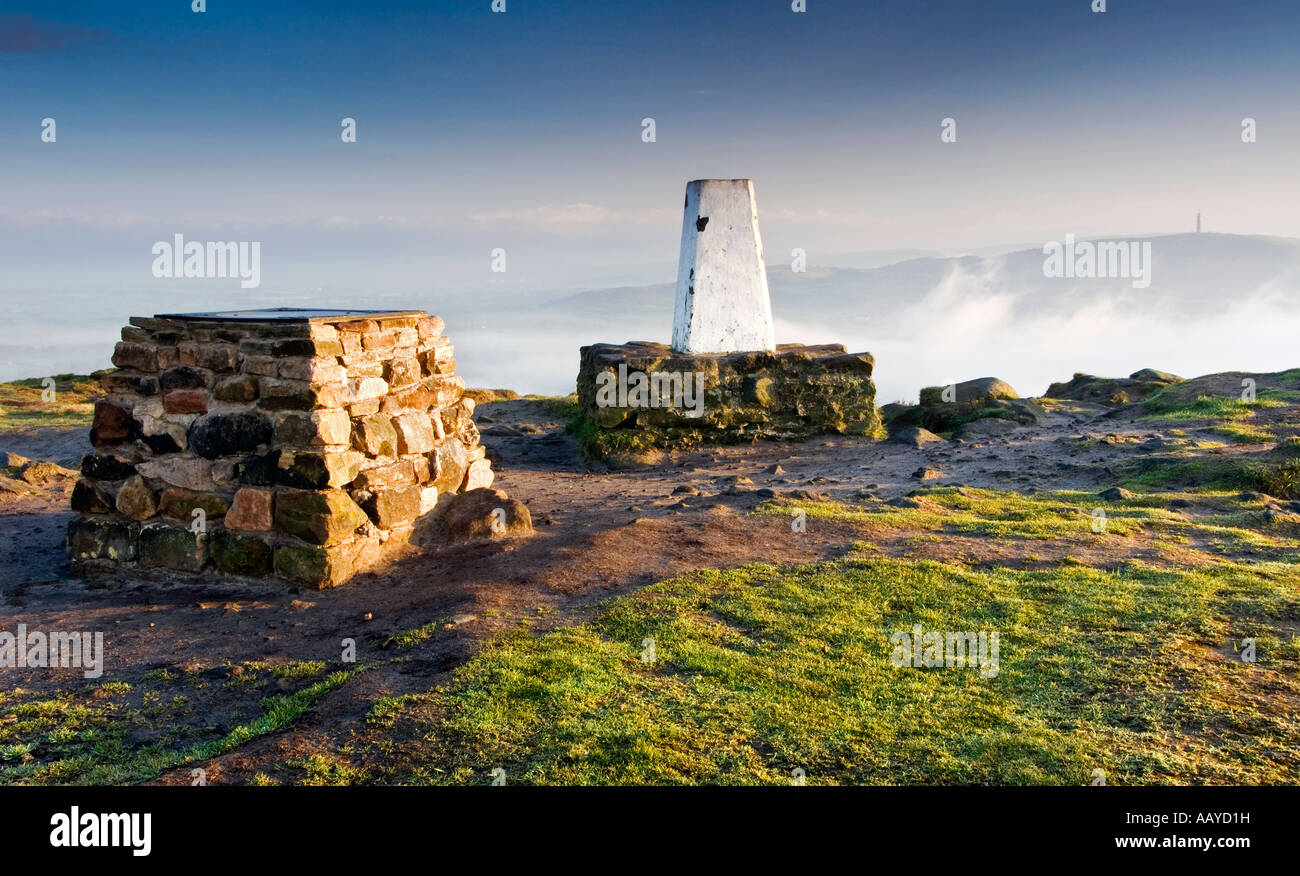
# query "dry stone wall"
(300, 449)
(789, 394)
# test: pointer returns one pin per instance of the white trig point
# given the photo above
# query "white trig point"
(723, 304)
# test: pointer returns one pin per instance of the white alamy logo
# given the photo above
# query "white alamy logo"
(57, 650)
(1103, 259)
(209, 260)
(954, 650)
(651, 389)
(76, 829)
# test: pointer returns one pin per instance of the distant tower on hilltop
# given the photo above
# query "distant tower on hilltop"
(1198, 221)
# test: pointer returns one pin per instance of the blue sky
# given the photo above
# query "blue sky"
(522, 129)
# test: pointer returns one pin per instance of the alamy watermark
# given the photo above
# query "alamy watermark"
(211, 260)
(1102, 259)
(55, 650)
(955, 650)
(651, 389)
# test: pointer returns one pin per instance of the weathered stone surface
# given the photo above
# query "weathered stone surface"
(311, 470)
(479, 475)
(259, 366)
(184, 377)
(323, 517)
(229, 434)
(313, 428)
(106, 467)
(318, 567)
(141, 357)
(393, 508)
(484, 513)
(172, 547)
(401, 373)
(375, 436)
(240, 388)
(251, 510)
(315, 371)
(258, 470)
(186, 401)
(213, 357)
(428, 499)
(245, 555)
(450, 463)
(430, 327)
(446, 390)
(179, 471)
(414, 432)
(89, 498)
(287, 395)
(101, 538)
(970, 390)
(136, 500)
(400, 473)
(1115, 391)
(179, 504)
(790, 394)
(111, 424)
(914, 436)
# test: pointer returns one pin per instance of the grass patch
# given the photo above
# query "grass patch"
(760, 671)
(90, 739)
(23, 404)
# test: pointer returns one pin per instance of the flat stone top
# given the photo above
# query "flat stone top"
(288, 314)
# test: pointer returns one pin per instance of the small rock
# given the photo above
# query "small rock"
(914, 436)
(1115, 494)
(774, 469)
(12, 460)
(928, 474)
(485, 513)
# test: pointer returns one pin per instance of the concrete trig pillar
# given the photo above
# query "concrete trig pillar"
(723, 305)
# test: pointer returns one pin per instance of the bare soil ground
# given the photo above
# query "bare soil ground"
(598, 533)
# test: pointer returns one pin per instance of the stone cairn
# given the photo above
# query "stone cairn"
(300, 444)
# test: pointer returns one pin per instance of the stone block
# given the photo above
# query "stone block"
(136, 500)
(179, 504)
(251, 510)
(141, 357)
(318, 567)
(478, 476)
(414, 432)
(399, 473)
(394, 508)
(313, 429)
(401, 373)
(241, 388)
(186, 401)
(111, 424)
(245, 555)
(172, 547)
(375, 435)
(217, 435)
(318, 517)
(90, 498)
(102, 538)
(315, 470)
